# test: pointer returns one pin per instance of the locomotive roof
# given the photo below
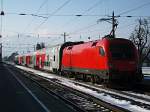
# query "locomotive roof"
(116, 38)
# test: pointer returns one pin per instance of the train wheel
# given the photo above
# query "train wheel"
(76, 76)
(60, 73)
(106, 81)
(98, 80)
(68, 74)
(84, 78)
(71, 75)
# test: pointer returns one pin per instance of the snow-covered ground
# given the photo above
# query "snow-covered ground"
(146, 70)
(105, 97)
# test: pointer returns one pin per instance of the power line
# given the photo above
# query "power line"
(16, 47)
(50, 15)
(31, 34)
(93, 6)
(87, 32)
(83, 28)
(29, 24)
(41, 15)
(130, 16)
(10, 44)
(133, 9)
(83, 14)
(79, 15)
(114, 20)
(125, 26)
(76, 15)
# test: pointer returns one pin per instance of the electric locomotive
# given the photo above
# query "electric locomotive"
(109, 59)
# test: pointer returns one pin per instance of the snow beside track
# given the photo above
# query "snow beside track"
(146, 70)
(105, 97)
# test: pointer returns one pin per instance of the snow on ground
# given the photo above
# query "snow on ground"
(105, 97)
(146, 70)
(137, 94)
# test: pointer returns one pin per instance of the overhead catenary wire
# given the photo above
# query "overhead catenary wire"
(129, 16)
(50, 15)
(113, 18)
(83, 28)
(92, 25)
(29, 24)
(44, 15)
(10, 44)
(79, 15)
(82, 15)
(136, 8)
(19, 34)
(76, 31)
(16, 47)
(125, 26)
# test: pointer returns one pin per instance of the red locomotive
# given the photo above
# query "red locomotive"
(108, 59)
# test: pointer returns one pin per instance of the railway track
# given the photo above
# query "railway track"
(133, 99)
(131, 93)
(141, 100)
(79, 100)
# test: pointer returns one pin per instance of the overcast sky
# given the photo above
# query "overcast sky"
(27, 22)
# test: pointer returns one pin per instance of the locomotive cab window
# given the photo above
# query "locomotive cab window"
(101, 51)
(121, 51)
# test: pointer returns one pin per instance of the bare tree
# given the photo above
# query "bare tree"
(141, 38)
(40, 46)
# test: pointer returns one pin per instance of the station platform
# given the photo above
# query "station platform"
(16, 97)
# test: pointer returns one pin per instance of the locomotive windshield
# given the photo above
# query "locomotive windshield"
(121, 51)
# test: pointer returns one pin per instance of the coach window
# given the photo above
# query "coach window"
(101, 51)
